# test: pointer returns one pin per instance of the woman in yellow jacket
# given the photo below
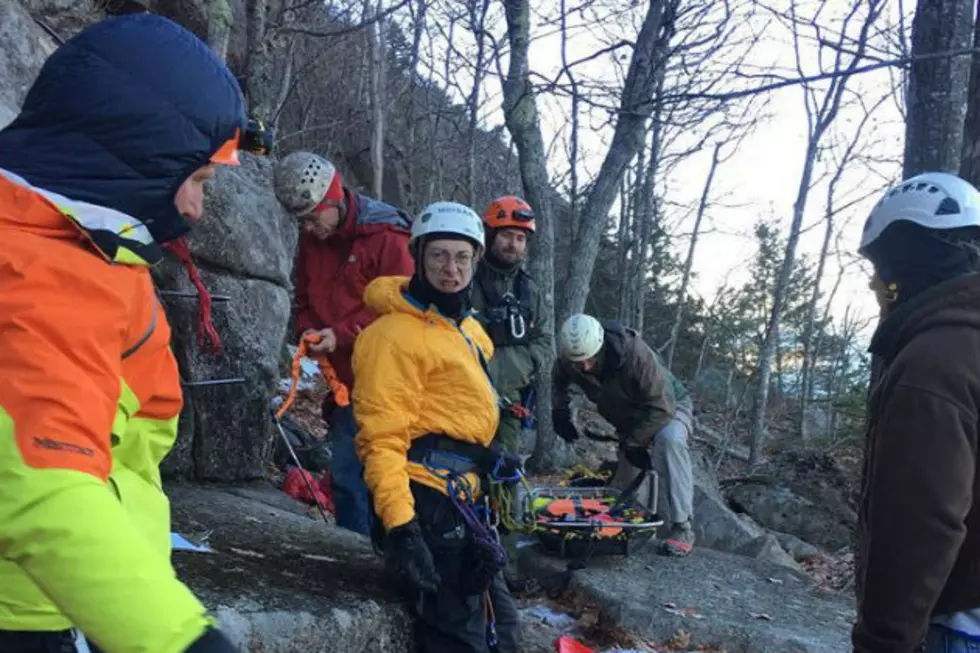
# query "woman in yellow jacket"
(427, 414)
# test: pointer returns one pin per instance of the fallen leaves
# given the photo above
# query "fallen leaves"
(833, 572)
(680, 641)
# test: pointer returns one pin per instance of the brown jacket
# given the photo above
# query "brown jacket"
(919, 532)
(632, 390)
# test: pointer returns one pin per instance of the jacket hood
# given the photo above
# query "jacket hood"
(367, 215)
(121, 115)
(385, 295)
(614, 343)
(953, 303)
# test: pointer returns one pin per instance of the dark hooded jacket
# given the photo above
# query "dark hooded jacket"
(919, 534)
(633, 390)
(93, 127)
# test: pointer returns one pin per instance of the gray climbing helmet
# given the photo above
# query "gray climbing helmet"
(302, 180)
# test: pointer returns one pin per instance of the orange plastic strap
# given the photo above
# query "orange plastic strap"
(340, 392)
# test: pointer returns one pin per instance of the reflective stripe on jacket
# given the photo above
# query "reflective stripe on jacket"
(85, 536)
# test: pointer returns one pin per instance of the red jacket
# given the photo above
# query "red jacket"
(331, 274)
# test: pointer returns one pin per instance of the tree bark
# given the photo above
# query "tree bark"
(938, 87)
(220, 21)
(377, 91)
(623, 242)
(636, 106)
(970, 162)
(521, 117)
(267, 70)
(478, 17)
(675, 330)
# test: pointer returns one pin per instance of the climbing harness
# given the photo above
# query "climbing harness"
(341, 397)
(450, 461)
(508, 317)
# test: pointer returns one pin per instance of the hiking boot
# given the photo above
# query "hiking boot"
(679, 540)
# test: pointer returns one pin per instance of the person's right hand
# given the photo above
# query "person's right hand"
(561, 421)
(409, 557)
(327, 341)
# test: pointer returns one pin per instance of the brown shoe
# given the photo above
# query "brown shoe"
(679, 541)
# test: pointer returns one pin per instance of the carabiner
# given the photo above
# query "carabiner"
(515, 319)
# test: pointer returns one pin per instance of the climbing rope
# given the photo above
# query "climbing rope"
(337, 387)
(341, 394)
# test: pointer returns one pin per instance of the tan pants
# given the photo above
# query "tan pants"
(672, 464)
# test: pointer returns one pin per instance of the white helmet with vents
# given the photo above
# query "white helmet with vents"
(935, 200)
(449, 218)
(580, 338)
(303, 180)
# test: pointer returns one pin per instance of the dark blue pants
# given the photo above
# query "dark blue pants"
(350, 495)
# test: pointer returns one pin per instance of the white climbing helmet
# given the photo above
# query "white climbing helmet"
(302, 180)
(936, 200)
(449, 217)
(580, 338)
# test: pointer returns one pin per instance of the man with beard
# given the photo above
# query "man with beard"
(509, 305)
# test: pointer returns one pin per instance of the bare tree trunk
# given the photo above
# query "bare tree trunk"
(970, 163)
(938, 86)
(675, 330)
(269, 65)
(809, 328)
(820, 116)
(648, 214)
(573, 145)
(220, 21)
(623, 242)
(636, 106)
(377, 91)
(418, 29)
(521, 116)
(478, 17)
(637, 261)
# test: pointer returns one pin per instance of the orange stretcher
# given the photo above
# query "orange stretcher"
(577, 521)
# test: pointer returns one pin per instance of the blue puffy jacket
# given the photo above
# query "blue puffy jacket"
(121, 115)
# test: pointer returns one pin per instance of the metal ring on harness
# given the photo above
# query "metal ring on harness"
(514, 319)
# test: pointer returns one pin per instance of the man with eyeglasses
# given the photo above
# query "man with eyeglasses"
(509, 305)
(346, 241)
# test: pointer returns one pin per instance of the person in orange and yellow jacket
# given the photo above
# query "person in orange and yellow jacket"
(428, 414)
(105, 163)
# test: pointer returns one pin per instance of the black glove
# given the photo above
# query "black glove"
(212, 641)
(561, 421)
(638, 457)
(408, 557)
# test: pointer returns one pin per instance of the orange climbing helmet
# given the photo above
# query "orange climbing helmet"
(509, 212)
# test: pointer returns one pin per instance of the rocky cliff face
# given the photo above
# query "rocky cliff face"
(244, 250)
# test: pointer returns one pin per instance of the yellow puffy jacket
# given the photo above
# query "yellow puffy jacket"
(89, 402)
(416, 372)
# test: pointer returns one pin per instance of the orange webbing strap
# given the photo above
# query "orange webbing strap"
(340, 392)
